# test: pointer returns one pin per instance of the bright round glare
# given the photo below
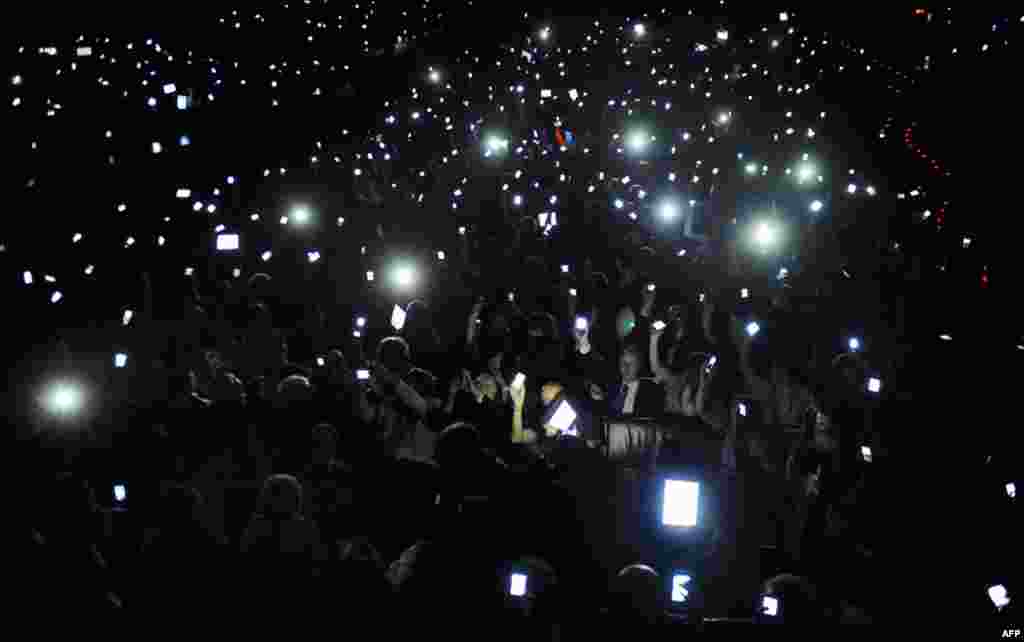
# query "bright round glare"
(806, 173)
(764, 235)
(639, 29)
(753, 328)
(723, 118)
(751, 168)
(65, 398)
(404, 276)
(854, 344)
(816, 206)
(637, 140)
(668, 210)
(301, 215)
(434, 76)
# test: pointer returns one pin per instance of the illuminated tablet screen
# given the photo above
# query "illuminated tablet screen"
(680, 504)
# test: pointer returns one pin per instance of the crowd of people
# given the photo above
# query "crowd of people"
(284, 443)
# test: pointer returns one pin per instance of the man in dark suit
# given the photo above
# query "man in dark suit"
(630, 395)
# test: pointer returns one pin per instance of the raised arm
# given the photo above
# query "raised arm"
(661, 373)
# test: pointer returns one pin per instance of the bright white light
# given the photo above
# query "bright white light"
(765, 234)
(404, 276)
(227, 242)
(517, 585)
(854, 344)
(182, 102)
(77, 237)
(517, 200)
(563, 418)
(266, 255)
(806, 173)
(169, 88)
(783, 16)
(183, 193)
(751, 168)
(361, 322)
(211, 208)
(680, 503)
(398, 316)
(669, 210)
(638, 140)
(57, 296)
(65, 398)
(874, 385)
(619, 204)
(313, 256)
(544, 33)
(369, 275)
(851, 189)
(722, 35)
(157, 148)
(126, 318)
(769, 606)
(27, 276)
(565, 269)
(744, 293)
(435, 77)
(998, 596)
(120, 359)
(723, 118)
(1011, 490)
(679, 590)
(184, 141)
(639, 29)
(301, 215)
(816, 206)
(753, 328)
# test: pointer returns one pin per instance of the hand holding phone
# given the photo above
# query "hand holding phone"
(659, 326)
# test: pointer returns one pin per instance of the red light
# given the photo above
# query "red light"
(984, 280)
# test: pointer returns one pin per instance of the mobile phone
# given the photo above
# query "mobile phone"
(519, 380)
(572, 291)
(320, 361)
(517, 585)
(680, 503)
(650, 287)
(398, 318)
(681, 587)
(227, 242)
(120, 494)
(741, 407)
(363, 375)
(120, 360)
(865, 454)
(126, 318)
(744, 293)
(874, 385)
(565, 269)
(659, 325)
(769, 605)
(564, 418)
(582, 324)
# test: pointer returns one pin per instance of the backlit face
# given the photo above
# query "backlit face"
(629, 367)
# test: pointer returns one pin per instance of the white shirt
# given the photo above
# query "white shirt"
(631, 392)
